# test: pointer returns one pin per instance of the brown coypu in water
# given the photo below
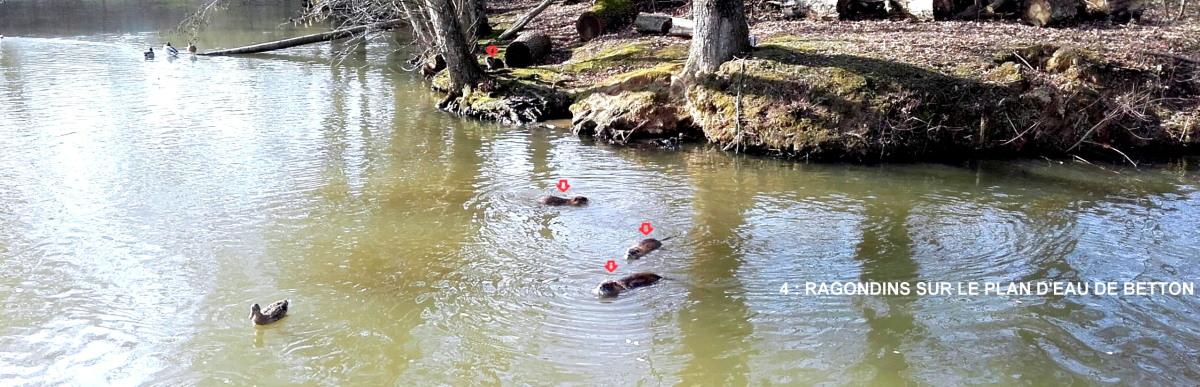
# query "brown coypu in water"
(271, 314)
(644, 247)
(612, 288)
(561, 201)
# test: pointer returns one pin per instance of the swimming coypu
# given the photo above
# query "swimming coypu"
(644, 247)
(561, 201)
(612, 288)
(271, 314)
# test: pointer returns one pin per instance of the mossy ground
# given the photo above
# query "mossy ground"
(807, 97)
(804, 99)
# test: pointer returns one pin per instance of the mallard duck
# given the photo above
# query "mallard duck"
(149, 54)
(191, 48)
(171, 50)
(271, 314)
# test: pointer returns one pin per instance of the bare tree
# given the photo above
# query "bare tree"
(473, 18)
(720, 33)
(452, 45)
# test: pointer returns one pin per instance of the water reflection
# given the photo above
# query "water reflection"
(148, 204)
(715, 321)
(886, 255)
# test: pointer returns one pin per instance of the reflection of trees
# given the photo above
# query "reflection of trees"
(885, 253)
(715, 320)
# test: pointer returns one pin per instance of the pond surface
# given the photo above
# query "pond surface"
(144, 206)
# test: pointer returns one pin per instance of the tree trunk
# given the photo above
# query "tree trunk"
(473, 19)
(606, 16)
(420, 24)
(306, 39)
(1043, 13)
(529, 49)
(516, 27)
(721, 32)
(464, 70)
(652, 23)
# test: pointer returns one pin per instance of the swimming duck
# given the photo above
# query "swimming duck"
(171, 50)
(271, 314)
(191, 48)
(149, 54)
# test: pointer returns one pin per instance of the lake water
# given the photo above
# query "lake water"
(144, 206)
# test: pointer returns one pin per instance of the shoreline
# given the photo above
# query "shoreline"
(842, 92)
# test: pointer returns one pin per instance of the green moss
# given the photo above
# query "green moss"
(610, 9)
(441, 81)
(623, 56)
(796, 99)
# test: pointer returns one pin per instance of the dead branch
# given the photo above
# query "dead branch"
(516, 27)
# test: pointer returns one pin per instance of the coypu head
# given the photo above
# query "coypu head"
(579, 201)
(634, 252)
(608, 288)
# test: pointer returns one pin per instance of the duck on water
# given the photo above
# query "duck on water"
(171, 50)
(272, 313)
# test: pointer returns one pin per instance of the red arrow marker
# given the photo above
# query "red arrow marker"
(563, 185)
(611, 266)
(491, 50)
(646, 228)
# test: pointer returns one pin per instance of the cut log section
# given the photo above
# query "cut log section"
(815, 9)
(652, 23)
(998, 6)
(1118, 11)
(1046, 13)
(307, 39)
(527, 50)
(681, 27)
(913, 9)
(606, 16)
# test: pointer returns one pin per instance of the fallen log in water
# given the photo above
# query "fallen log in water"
(306, 39)
(527, 50)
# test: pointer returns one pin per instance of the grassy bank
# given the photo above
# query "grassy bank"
(878, 90)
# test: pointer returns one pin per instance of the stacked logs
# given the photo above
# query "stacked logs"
(1042, 13)
(604, 17)
(660, 24)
